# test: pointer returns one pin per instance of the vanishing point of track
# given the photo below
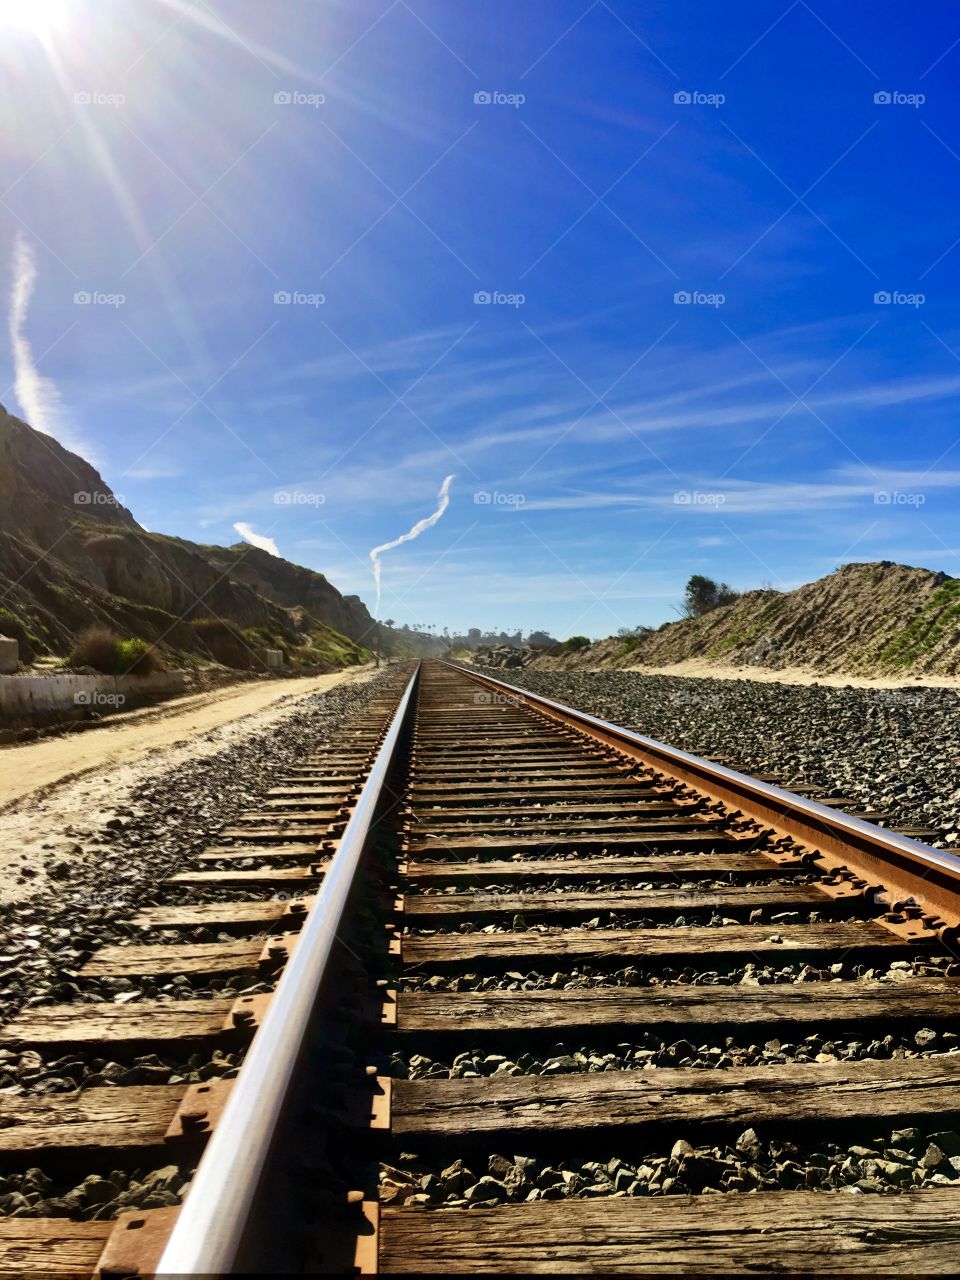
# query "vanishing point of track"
(486, 924)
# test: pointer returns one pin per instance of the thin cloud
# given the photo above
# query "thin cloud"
(37, 396)
(257, 539)
(443, 501)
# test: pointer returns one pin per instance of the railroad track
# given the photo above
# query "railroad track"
(555, 997)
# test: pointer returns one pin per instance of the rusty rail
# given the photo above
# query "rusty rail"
(917, 880)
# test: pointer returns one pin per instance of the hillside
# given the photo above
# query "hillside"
(864, 619)
(72, 556)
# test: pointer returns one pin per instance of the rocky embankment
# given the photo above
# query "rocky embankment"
(895, 751)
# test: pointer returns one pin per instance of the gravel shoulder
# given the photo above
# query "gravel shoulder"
(891, 749)
(56, 793)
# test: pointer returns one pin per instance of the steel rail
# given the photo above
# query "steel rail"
(936, 871)
(210, 1227)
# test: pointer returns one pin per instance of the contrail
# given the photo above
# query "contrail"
(443, 500)
(39, 399)
(257, 539)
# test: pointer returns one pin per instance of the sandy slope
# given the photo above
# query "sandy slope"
(56, 791)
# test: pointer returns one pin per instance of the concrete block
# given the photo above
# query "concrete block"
(274, 659)
(9, 655)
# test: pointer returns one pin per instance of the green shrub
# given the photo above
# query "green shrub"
(105, 651)
(135, 657)
(96, 647)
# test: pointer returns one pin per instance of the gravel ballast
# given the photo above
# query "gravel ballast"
(113, 870)
(891, 750)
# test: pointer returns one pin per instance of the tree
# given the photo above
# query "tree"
(703, 594)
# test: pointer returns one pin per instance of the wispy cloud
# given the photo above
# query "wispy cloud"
(443, 501)
(256, 539)
(37, 396)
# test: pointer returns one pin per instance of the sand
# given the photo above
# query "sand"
(702, 669)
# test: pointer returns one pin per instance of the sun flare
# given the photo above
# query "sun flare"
(42, 18)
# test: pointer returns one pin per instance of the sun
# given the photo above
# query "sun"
(42, 18)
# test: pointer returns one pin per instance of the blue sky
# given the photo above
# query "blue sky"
(382, 163)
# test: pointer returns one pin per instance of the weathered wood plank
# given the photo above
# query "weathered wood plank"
(647, 837)
(673, 901)
(794, 1092)
(88, 1119)
(775, 1232)
(662, 867)
(236, 853)
(113, 1024)
(677, 944)
(198, 957)
(562, 832)
(427, 817)
(526, 842)
(305, 850)
(52, 1247)
(295, 831)
(560, 795)
(610, 782)
(263, 875)
(219, 914)
(920, 999)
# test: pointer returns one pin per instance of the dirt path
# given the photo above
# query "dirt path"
(125, 739)
(56, 792)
